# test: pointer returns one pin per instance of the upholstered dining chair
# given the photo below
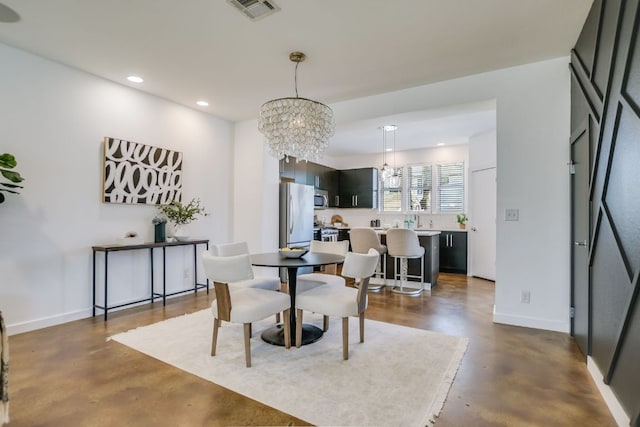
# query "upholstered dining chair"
(363, 239)
(271, 283)
(341, 301)
(330, 275)
(403, 244)
(245, 305)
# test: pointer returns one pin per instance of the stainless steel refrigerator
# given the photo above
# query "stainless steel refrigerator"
(296, 218)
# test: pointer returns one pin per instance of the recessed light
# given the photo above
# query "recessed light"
(389, 149)
(440, 144)
(203, 103)
(135, 79)
(390, 127)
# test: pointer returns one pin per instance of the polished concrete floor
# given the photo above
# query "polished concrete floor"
(70, 375)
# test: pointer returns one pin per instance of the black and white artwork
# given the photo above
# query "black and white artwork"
(137, 173)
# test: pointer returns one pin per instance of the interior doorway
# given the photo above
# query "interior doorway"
(482, 232)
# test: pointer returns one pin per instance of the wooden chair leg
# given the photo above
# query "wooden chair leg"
(214, 339)
(325, 323)
(345, 338)
(287, 328)
(277, 317)
(247, 343)
(361, 327)
(298, 328)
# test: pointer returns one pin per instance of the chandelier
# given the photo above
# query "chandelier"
(297, 127)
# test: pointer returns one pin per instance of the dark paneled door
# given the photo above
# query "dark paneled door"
(580, 291)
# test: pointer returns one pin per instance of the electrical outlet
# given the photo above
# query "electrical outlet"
(525, 297)
(511, 214)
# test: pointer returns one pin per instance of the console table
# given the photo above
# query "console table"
(153, 294)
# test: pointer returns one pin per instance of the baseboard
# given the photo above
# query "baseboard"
(530, 322)
(45, 322)
(610, 399)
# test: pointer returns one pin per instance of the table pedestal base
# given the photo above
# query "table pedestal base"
(275, 335)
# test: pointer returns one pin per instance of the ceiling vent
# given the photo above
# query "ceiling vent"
(255, 9)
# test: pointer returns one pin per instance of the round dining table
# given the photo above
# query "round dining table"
(310, 333)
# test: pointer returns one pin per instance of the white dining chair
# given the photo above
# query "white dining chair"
(245, 305)
(271, 283)
(341, 301)
(329, 276)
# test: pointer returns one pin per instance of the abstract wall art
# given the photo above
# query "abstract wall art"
(140, 174)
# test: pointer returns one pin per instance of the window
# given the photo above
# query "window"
(392, 196)
(450, 187)
(419, 188)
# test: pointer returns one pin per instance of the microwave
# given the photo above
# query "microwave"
(320, 199)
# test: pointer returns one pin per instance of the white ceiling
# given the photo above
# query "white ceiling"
(190, 50)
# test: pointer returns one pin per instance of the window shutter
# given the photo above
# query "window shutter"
(451, 187)
(419, 188)
(392, 197)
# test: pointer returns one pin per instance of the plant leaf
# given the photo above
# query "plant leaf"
(8, 185)
(8, 191)
(7, 161)
(12, 176)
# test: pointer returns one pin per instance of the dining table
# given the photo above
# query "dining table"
(310, 333)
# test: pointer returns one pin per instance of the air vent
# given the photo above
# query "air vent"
(255, 9)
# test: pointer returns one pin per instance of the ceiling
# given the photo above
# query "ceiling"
(193, 50)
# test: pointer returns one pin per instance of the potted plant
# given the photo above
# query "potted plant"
(8, 162)
(180, 214)
(462, 220)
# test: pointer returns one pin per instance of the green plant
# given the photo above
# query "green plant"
(462, 218)
(180, 214)
(7, 162)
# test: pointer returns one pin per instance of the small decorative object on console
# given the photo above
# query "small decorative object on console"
(462, 220)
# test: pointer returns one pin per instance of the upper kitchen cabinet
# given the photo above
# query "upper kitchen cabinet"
(358, 188)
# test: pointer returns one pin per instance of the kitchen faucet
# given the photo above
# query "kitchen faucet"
(417, 220)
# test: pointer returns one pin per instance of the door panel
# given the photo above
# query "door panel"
(482, 234)
(580, 289)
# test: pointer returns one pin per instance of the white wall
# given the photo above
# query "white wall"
(532, 108)
(53, 119)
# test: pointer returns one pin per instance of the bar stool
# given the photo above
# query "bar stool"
(363, 239)
(403, 244)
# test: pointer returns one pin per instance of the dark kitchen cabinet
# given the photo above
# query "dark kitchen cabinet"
(453, 252)
(358, 188)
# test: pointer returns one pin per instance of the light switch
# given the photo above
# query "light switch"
(511, 214)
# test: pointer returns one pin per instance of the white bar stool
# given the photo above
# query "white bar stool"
(363, 239)
(403, 244)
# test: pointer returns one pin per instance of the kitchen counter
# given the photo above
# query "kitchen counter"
(419, 232)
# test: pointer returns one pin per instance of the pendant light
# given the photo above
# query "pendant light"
(298, 127)
(386, 170)
(394, 179)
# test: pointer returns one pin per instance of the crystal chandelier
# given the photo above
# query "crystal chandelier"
(297, 126)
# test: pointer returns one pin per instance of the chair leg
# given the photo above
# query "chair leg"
(345, 338)
(247, 343)
(325, 323)
(214, 339)
(287, 328)
(361, 327)
(298, 328)
(277, 317)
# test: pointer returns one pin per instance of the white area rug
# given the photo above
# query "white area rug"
(398, 377)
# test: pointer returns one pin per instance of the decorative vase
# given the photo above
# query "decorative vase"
(463, 226)
(179, 234)
(159, 232)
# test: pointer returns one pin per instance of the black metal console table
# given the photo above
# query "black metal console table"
(153, 294)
